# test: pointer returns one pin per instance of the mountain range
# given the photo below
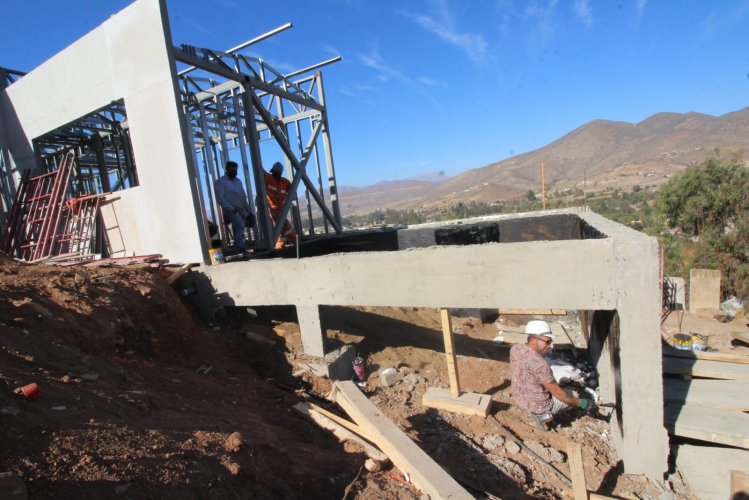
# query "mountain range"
(599, 155)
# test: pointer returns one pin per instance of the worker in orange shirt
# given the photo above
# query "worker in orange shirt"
(277, 190)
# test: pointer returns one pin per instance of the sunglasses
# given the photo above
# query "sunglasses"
(545, 340)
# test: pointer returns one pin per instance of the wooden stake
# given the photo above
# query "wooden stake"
(452, 367)
(575, 458)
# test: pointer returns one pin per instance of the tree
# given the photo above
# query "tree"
(708, 204)
(530, 195)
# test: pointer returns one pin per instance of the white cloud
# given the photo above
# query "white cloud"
(716, 22)
(443, 25)
(542, 18)
(640, 6)
(583, 11)
(425, 80)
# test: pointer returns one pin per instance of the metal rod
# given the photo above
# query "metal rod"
(245, 44)
(313, 67)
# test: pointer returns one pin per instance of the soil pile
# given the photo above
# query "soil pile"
(139, 399)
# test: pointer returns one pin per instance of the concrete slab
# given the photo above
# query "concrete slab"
(707, 469)
(708, 424)
(468, 403)
(704, 289)
(705, 368)
(719, 394)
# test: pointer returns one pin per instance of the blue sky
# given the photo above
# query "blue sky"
(447, 85)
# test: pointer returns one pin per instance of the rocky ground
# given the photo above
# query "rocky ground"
(140, 399)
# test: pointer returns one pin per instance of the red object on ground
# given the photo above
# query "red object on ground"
(31, 391)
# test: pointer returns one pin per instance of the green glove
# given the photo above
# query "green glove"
(584, 404)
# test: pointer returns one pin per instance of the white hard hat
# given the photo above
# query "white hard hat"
(538, 327)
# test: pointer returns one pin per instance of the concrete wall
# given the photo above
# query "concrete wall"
(704, 289)
(618, 273)
(128, 57)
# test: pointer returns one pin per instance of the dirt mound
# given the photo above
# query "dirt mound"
(140, 399)
(98, 310)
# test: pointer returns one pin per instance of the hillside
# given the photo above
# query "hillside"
(598, 155)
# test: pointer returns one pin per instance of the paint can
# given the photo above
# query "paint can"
(699, 342)
(217, 256)
(682, 341)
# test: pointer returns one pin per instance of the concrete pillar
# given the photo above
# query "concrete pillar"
(312, 334)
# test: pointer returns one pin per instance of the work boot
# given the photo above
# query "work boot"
(540, 421)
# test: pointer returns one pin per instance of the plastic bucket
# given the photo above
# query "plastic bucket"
(682, 341)
(699, 342)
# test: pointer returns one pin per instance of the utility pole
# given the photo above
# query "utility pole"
(543, 186)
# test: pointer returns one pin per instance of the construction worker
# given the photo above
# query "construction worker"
(231, 197)
(534, 388)
(277, 190)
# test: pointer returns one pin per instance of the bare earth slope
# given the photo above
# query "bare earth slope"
(595, 156)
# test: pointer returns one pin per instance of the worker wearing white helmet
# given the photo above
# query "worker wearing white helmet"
(533, 386)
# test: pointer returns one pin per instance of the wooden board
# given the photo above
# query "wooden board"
(575, 459)
(741, 336)
(452, 366)
(739, 482)
(468, 403)
(709, 356)
(424, 472)
(339, 431)
(728, 395)
(706, 469)
(708, 424)
(704, 368)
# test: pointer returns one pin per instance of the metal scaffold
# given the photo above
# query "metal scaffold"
(238, 107)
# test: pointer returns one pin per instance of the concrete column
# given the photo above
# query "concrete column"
(312, 334)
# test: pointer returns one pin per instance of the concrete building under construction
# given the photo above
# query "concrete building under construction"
(146, 131)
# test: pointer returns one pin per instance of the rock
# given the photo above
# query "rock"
(65, 379)
(12, 487)
(512, 447)
(234, 442)
(411, 379)
(390, 376)
(373, 465)
(233, 468)
(493, 441)
(91, 377)
(547, 453)
(59, 408)
(9, 410)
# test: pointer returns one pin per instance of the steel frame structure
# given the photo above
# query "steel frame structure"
(9, 176)
(235, 102)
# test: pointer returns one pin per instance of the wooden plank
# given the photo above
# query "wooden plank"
(178, 273)
(706, 469)
(704, 368)
(533, 312)
(739, 482)
(709, 356)
(728, 395)
(339, 431)
(340, 421)
(424, 472)
(452, 365)
(575, 458)
(468, 403)
(740, 336)
(708, 424)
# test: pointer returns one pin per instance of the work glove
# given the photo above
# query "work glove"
(586, 404)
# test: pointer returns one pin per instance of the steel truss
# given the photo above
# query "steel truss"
(244, 101)
(101, 141)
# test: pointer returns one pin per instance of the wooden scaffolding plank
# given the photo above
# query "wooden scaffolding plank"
(424, 472)
(707, 469)
(728, 395)
(708, 424)
(705, 368)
